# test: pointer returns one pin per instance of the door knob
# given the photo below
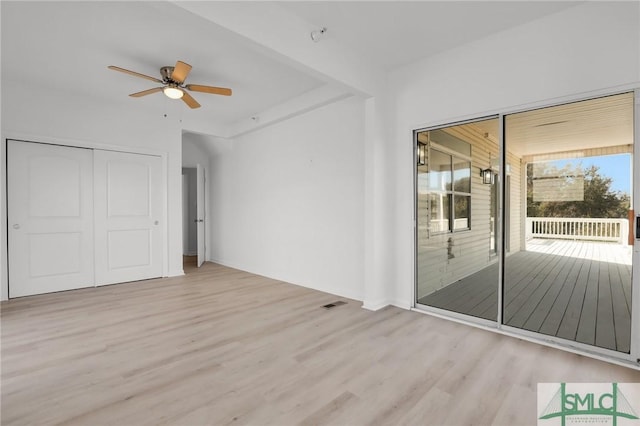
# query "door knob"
(198, 220)
(16, 226)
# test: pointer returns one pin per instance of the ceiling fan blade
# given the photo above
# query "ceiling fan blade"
(180, 72)
(147, 92)
(190, 101)
(136, 74)
(209, 89)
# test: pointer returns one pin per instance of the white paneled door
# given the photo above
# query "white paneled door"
(81, 217)
(129, 216)
(50, 218)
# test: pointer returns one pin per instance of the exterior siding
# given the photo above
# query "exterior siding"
(444, 258)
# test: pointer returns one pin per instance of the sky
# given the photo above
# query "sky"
(616, 167)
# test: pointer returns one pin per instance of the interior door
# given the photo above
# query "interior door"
(50, 218)
(129, 217)
(201, 212)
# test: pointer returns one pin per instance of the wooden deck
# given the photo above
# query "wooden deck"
(579, 291)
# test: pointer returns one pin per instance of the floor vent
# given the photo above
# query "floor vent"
(334, 304)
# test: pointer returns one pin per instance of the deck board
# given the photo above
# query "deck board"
(587, 326)
(574, 290)
(518, 307)
(553, 286)
(551, 324)
(545, 289)
(605, 331)
(571, 319)
(621, 309)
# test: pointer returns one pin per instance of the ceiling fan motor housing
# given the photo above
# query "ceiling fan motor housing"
(166, 73)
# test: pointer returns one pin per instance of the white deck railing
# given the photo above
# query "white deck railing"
(591, 229)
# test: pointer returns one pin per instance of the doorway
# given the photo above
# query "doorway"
(543, 241)
(193, 217)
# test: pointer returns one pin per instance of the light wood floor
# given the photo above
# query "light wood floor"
(221, 346)
(576, 290)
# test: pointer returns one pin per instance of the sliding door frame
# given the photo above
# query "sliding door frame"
(433, 310)
(632, 359)
(635, 273)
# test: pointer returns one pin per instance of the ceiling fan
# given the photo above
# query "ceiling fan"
(173, 84)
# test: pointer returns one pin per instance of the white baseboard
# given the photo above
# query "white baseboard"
(374, 306)
(402, 305)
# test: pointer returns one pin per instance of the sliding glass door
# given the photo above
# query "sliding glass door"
(456, 226)
(532, 228)
(570, 276)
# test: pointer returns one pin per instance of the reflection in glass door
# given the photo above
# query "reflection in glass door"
(569, 276)
(457, 266)
(554, 210)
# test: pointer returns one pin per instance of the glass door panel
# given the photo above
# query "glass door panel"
(568, 267)
(457, 265)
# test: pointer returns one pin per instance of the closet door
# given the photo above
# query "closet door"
(50, 218)
(129, 217)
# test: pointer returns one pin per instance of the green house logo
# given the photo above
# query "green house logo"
(588, 403)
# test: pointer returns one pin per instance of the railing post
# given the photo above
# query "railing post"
(624, 231)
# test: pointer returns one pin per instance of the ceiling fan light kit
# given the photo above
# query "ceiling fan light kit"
(173, 92)
(173, 84)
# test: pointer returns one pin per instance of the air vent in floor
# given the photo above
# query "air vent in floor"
(334, 304)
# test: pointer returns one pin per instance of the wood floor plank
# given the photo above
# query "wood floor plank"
(222, 346)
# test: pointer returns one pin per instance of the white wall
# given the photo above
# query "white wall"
(44, 115)
(288, 201)
(587, 49)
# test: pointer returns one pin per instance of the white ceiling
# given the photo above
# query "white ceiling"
(395, 33)
(68, 45)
